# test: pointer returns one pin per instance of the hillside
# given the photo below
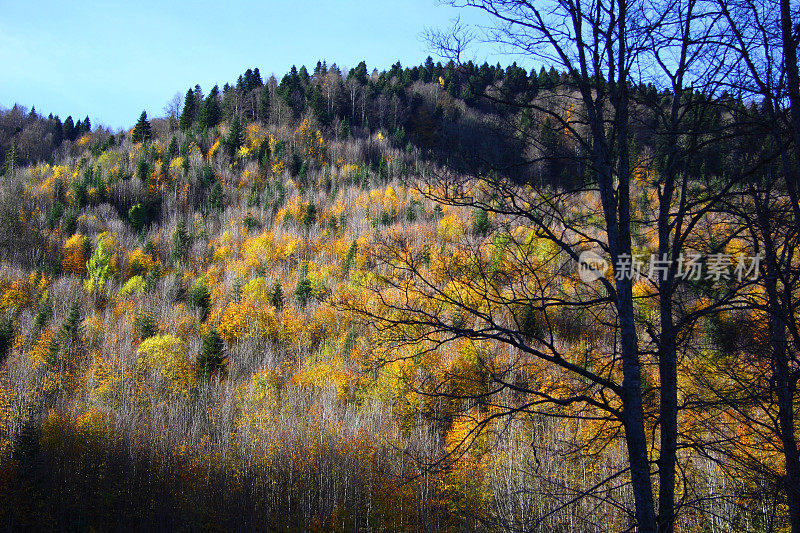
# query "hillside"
(310, 304)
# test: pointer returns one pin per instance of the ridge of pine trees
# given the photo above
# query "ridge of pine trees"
(422, 106)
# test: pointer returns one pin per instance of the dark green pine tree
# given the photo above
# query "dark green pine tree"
(344, 128)
(69, 129)
(58, 131)
(533, 83)
(87, 125)
(210, 111)
(318, 104)
(555, 78)
(172, 149)
(6, 337)
(235, 136)
(189, 111)
(257, 81)
(545, 83)
(71, 326)
(212, 354)
(276, 296)
(142, 132)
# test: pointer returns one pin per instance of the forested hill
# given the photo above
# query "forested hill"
(479, 118)
(351, 302)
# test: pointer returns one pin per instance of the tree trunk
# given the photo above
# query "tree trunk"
(668, 373)
(792, 74)
(785, 385)
(633, 414)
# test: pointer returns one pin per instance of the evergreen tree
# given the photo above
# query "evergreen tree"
(211, 111)
(189, 111)
(6, 337)
(304, 290)
(146, 323)
(181, 241)
(359, 73)
(427, 71)
(87, 125)
(257, 81)
(58, 132)
(344, 128)
(200, 298)
(545, 83)
(71, 326)
(212, 354)
(69, 129)
(555, 78)
(533, 83)
(276, 296)
(318, 105)
(291, 91)
(235, 136)
(142, 132)
(170, 152)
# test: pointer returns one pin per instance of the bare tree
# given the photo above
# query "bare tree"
(172, 109)
(597, 45)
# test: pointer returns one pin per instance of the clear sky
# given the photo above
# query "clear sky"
(109, 60)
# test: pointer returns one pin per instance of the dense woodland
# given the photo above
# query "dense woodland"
(350, 300)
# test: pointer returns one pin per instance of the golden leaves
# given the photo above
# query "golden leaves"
(163, 360)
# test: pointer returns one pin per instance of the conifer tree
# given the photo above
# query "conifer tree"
(276, 296)
(189, 111)
(69, 129)
(210, 111)
(212, 354)
(235, 135)
(58, 132)
(142, 132)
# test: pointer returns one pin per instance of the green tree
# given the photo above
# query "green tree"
(142, 131)
(210, 111)
(189, 111)
(212, 354)
(235, 136)
(180, 242)
(146, 323)
(98, 268)
(69, 129)
(276, 295)
(303, 290)
(6, 337)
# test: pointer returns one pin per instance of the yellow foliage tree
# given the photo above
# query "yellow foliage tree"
(164, 361)
(76, 252)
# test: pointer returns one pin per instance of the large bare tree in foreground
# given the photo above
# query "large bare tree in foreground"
(607, 51)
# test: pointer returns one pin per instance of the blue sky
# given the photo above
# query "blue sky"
(109, 60)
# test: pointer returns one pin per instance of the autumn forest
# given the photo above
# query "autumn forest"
(449, 297)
